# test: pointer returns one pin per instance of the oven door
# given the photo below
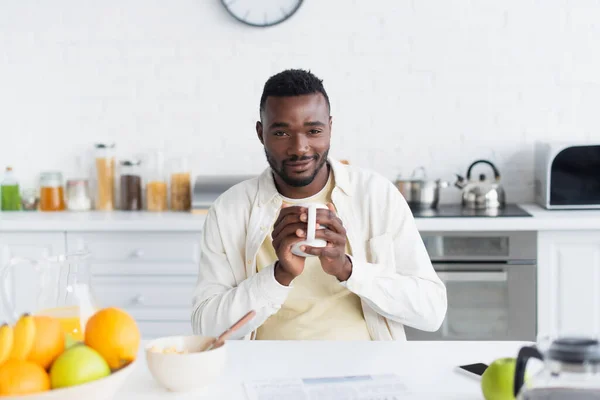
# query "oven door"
(492, 301)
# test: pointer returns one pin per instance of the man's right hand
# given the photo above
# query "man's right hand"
(289, 229)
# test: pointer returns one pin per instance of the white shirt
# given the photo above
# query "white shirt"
(391, 270)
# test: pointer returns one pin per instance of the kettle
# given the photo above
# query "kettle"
(481, 194)
(571, 371)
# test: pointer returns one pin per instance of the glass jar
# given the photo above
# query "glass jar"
(105, 176)
(156, 183)
(181, 185)
(131, 186)
(78, 195)
(51, 191)
(29, 199)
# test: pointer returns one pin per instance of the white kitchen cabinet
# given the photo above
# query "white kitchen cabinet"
(20, 285)
(151, 275)
(569, 282)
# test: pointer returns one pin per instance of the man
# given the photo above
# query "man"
(373, 277)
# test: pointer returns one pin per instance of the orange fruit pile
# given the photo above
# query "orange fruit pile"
(30, 348)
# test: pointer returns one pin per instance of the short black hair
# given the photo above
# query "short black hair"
(292, 82)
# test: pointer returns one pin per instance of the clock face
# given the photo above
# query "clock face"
(261, 12)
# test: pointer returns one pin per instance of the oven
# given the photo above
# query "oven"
(490, 279)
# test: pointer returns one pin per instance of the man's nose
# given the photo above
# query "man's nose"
(299, 145)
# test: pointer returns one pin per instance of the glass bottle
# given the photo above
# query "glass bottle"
(131, 186)
(105, 176)
(11, 199)
(156, 183)
(181, 185)
(52, 196)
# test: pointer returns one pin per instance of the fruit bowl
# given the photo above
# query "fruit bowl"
(178, 363)
(101, 389)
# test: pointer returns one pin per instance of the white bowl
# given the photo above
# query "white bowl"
(185, 372)
(101, 389)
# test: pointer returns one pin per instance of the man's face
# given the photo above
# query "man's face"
(296, 132)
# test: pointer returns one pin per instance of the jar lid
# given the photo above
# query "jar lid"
(75, 182)
(575, 350)
(51, 178)
(104, 145)
(130, 163)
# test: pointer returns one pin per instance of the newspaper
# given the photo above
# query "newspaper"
(362, 387)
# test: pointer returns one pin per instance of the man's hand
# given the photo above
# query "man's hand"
(288, 230)
(333, 257)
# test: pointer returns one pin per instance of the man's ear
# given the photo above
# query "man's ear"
(259, 132)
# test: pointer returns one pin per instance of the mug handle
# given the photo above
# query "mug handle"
(312, 223)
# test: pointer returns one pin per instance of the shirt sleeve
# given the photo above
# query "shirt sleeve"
(399, 282)
(218, 301)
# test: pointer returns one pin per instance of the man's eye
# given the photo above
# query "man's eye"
(279, 133)
(314, 131)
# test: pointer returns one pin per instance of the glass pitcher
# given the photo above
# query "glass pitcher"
(56, 286)
(571, 370)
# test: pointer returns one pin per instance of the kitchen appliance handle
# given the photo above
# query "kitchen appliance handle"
(473, 276)
(496, 172)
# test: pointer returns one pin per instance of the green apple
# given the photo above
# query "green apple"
(79, 364)
(497, 381)
(69, 341)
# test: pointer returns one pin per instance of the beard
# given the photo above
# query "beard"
(320, 160)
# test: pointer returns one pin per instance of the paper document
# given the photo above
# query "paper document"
(363, 387)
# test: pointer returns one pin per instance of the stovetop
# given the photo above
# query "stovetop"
(457, 210)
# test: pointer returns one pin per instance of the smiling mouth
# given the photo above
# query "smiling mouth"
(299, 166)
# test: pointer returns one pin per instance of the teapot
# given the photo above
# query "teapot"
(571, 371)
(56, 286)
(481, 194)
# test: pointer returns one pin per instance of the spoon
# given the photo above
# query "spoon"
(223, 336)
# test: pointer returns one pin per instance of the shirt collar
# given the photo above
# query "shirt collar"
(267, 190)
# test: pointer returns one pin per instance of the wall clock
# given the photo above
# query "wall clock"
(261, 13)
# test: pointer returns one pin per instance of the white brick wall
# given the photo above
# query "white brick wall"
(412, 82)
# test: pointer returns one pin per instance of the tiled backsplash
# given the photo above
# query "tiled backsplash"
(421, 82)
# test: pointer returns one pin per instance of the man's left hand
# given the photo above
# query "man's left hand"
(334, 260)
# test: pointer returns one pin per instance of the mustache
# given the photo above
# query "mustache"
(303, 158)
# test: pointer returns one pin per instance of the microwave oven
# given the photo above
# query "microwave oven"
(567, 175)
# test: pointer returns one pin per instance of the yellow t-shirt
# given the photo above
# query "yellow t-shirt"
(317, 307)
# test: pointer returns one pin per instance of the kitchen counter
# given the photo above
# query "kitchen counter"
(426, 368)
(542, 220)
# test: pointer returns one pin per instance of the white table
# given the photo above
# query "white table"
(427, 367)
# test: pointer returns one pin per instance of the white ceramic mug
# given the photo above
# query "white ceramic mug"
(311, 230)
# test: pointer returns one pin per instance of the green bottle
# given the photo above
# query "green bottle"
(11, 199)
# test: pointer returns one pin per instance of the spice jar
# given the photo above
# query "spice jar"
(131, 186)
(156, 186)
(180, 185)
(105, 176)
(51, 191)
(78, 197)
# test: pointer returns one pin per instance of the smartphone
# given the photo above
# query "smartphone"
(473, 370)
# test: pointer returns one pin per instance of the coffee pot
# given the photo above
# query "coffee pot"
(571, 371)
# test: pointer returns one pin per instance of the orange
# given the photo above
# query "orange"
(49, 341)
(18, 377)
(114, 334)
